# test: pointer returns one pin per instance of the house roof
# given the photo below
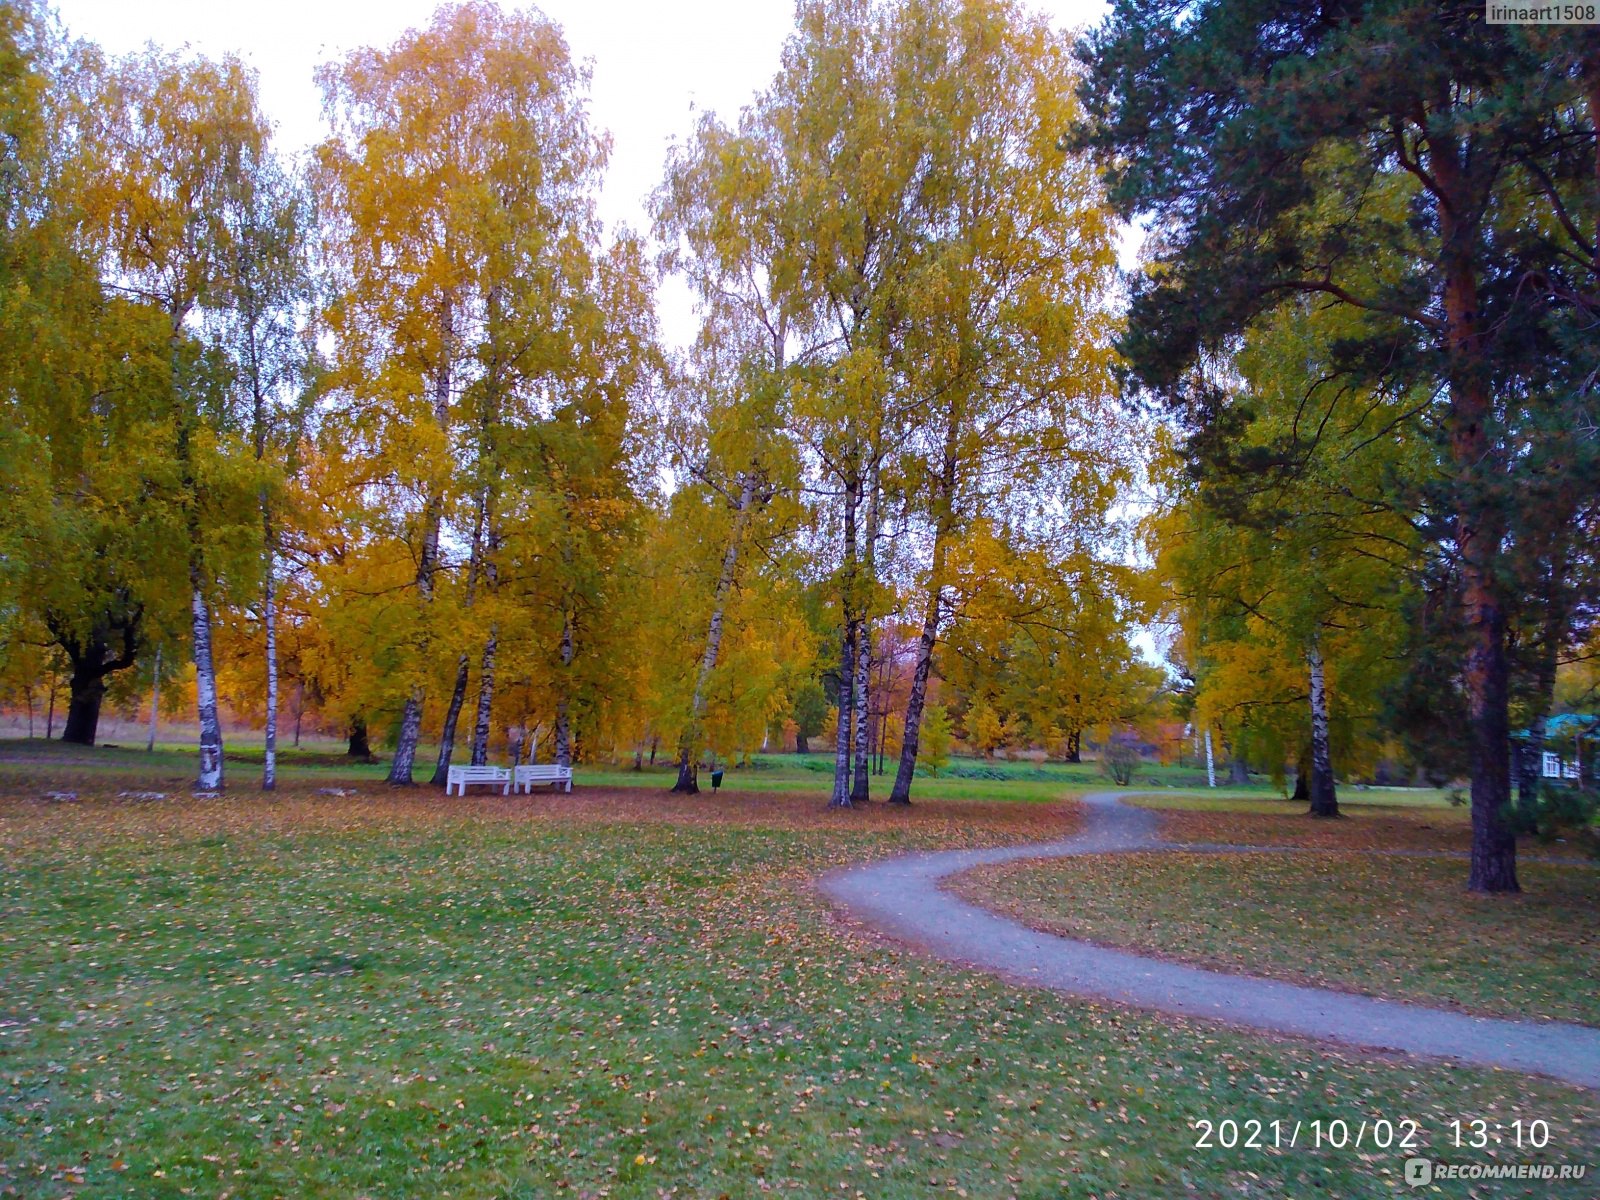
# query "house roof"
(1565, 725)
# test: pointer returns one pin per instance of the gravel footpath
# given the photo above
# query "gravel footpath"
(901, 897)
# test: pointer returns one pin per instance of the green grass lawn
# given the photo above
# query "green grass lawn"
(1354, 802)
(1397, 927)
(27, 761)
(391, 995)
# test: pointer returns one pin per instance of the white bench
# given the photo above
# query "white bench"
(459, 777)
(528, 775)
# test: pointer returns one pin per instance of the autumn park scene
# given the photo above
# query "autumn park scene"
(858, 598)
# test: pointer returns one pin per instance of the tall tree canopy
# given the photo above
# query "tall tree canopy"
(1276, 152)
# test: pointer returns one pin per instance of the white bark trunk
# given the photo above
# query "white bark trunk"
(210, 777)
(848, 650)
(480, 728)
(563, 717)
(269, 763)
(405, 750)
(1324, 801)
(1211, 763)
(689, 744)
(861, 785)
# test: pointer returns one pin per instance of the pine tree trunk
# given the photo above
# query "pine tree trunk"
(1324, 800)
(269, 615)
(1529, 759)
(1528, 762)
(210, 776)
(481, 727)
(1479, 525)
(1494, 844)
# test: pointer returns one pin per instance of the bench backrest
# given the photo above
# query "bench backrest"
(543, 771)
(471, 773)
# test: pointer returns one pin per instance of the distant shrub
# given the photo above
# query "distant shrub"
(1120, 759)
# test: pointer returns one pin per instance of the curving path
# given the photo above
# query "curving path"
(902, 897)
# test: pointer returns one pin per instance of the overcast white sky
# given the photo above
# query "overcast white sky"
(654, 63)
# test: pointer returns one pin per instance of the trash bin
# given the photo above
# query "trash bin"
(716, 779)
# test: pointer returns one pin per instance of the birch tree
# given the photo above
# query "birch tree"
(180, 149)
(459, 181)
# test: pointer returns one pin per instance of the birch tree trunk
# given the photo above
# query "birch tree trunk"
(1324, 801)
(688, 781)
(931, 616)
(842, 730)
(452, 717)
(909, 743)
(458, 693)
(405, 749)
(848, 648)
(269, 762)
(491, 647)
(563, 719)
(481, 727)
(210, 777)
(861, 786)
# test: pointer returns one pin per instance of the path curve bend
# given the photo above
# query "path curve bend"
(901, 897)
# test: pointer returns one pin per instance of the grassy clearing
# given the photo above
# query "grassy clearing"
(1371, 823)
(612, 994)
(1352, 802)
(1396, 927)
(28, 762)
